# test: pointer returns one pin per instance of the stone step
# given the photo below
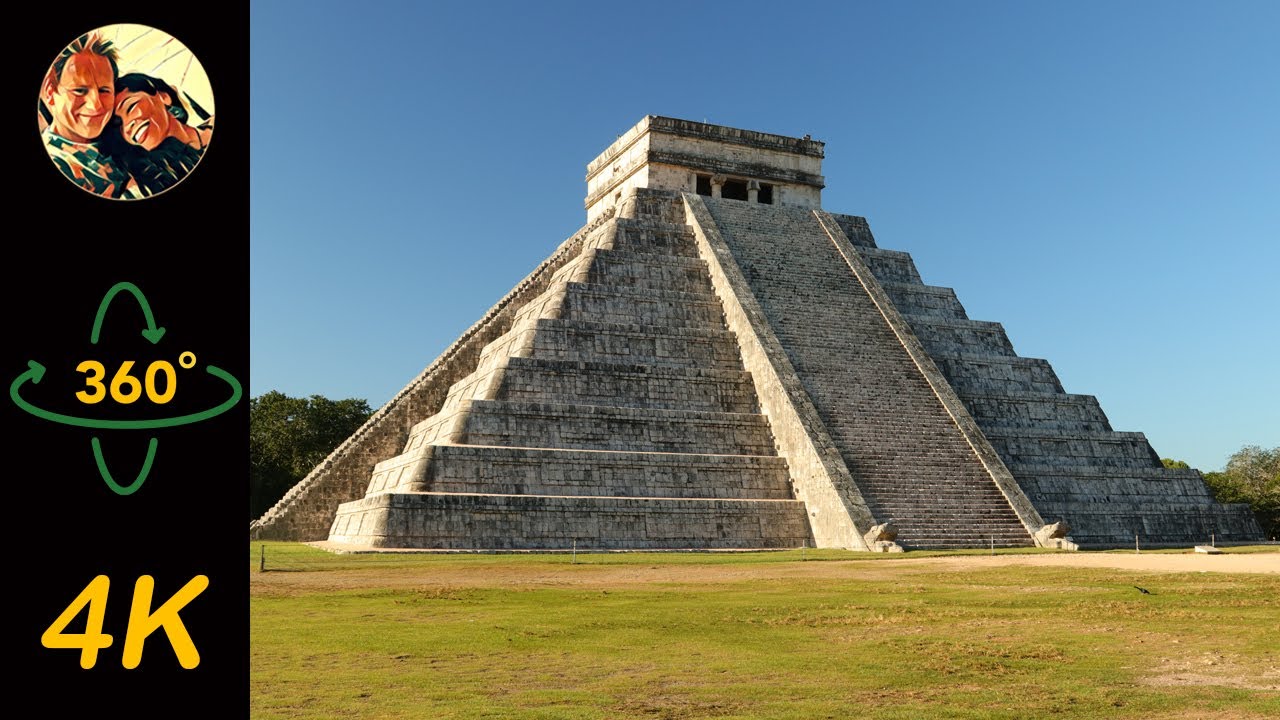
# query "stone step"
(1102, 473)
(1121, 493)
(955, 542)
(980, 374)
(928, 300)
(1046, 411)
(627, 268)
(942, 335)
(1114, 522)
(959, 509)
(542, 522)
(648, 236)
(890, 265)
(540, 471)
(1071, 448)
(602, 303)
(945, 508)
(1061, 484)
(905, 516)
(855, 228)
(713, 348)
(627, 385)
(924, 533)
(649, 271)
(658, 205)
(935, 494)
(591, 427)
(940, 503)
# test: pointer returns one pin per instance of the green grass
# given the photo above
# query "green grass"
(752, 635)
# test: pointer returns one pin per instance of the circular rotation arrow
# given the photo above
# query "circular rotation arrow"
(35, 373)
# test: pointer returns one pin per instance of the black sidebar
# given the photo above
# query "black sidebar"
(125, 361)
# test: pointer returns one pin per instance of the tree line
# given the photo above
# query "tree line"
(1252, 476)
(289, 436)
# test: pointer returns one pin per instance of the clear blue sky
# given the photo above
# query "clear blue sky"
(1101, 177)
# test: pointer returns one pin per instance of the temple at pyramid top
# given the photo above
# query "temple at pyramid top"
(662, 153)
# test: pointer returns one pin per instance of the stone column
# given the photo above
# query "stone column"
(753, 191)
(717, 185)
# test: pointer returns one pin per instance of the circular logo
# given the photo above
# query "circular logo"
(125, 112)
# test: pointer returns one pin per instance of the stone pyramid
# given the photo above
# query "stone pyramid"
(715, 362)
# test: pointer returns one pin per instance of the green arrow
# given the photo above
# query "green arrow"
(36, 372)
(116, 487)
(152, 332)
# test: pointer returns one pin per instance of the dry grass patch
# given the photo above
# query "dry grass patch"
(753, 636)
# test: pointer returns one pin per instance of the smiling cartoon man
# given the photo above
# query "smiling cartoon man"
(79, 97)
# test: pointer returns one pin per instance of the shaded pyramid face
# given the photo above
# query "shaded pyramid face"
(733, 372)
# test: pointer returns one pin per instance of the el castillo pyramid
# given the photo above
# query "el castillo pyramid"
(716, 362)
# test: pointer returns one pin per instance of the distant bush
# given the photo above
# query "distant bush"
(289, 436)
(1252, 476)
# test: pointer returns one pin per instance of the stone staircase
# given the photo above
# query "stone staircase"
(1060, 447)
(906, 454)
(613, 414)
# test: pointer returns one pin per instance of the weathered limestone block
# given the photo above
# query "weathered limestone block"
(1054, 535)
(881, 538)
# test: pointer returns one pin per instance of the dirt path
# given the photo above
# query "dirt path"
(1190, 562)
(589, 575)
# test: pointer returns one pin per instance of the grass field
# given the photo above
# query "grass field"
(753, 635)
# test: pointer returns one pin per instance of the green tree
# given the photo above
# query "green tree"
(289, 436)
(1252, 476)
(1174, 464)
